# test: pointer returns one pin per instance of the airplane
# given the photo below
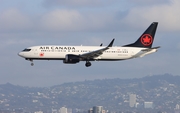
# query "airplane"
(75, 54)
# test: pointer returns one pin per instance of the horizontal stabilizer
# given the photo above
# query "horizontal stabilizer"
(149, 49)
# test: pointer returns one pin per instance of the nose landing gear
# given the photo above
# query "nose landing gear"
(32, 64)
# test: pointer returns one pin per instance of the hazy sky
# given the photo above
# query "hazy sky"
(25, 23)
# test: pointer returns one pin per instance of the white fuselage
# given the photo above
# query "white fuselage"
(55, 52)
(74, 54)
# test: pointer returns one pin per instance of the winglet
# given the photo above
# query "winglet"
(110, 45)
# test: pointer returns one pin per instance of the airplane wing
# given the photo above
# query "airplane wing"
(96, 53)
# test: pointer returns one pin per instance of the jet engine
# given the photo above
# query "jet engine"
(71, 59)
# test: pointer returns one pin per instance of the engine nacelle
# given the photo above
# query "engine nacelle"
(71, 59)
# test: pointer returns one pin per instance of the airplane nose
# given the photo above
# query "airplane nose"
(20, 54)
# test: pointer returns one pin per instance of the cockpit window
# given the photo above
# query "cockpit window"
(27, 50)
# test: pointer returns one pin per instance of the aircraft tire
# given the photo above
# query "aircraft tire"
(88, 64)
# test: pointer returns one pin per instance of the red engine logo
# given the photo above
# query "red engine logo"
(146, 39)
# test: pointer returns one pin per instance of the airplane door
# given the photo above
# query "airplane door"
(132, 53)
(35, 52)
(52, 48)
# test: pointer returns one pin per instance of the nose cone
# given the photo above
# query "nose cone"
(20, 54)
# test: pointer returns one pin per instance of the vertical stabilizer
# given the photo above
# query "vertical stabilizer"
(147, 38)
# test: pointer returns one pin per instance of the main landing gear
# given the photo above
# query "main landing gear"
(88, 64)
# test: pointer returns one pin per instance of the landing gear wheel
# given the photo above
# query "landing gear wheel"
(88, 64)
(32, 64)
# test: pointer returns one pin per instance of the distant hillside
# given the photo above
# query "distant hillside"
(162, 90)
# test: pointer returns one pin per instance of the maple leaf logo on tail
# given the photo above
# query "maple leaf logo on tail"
(146, 39)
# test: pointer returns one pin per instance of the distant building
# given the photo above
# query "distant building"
(148, 104)
(90, 110)
(55, 111)
(63, 110)
(69, 110)
(136, 105)
(132, 100)
(177, 106)
(177, 109)
(97, 109)
(103, 111)
(38, 112)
